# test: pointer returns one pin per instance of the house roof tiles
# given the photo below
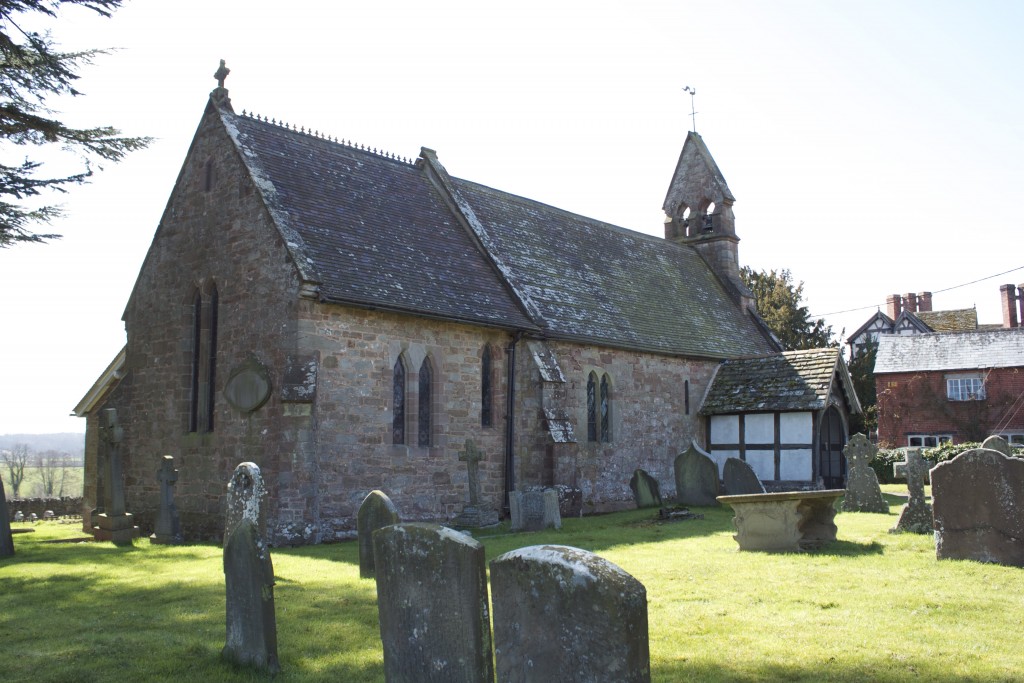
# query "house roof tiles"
(950, 351)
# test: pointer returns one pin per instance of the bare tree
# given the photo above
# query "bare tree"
(53, 472)
(15, 461)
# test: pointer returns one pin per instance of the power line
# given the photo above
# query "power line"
(939, 291)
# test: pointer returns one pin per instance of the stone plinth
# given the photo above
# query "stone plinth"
(120, 529)
(790, 521)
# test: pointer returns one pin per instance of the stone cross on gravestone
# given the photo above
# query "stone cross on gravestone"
(916, 515)
(168, 523)
(862, 491)
(472, 457)
(113, 489)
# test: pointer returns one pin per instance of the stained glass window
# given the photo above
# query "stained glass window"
(426, 382)
(211, 369)
(592, 407)
(197, 332)
(486, 416)
(606, 410)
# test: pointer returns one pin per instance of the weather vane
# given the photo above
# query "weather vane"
(693, 112)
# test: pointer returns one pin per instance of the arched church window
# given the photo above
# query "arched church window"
(592, 407)
(211, 362)
(486, 392)
(197, 338)
(606, 410)
(423, 408)
(398, 402)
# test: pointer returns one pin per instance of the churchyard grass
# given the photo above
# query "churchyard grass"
(872, 606)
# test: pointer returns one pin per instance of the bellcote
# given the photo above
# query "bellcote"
(698, 204)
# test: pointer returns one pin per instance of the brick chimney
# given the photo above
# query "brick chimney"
(924, 302)
(910, 302)
(1008, 296)
(893, 305)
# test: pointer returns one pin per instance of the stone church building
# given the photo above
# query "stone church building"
(349, 320)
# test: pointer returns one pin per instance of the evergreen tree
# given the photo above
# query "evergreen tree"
(862, 370)
(779, 303)
(32, 70)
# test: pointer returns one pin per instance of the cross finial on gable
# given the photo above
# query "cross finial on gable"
(220, 93)
(221, 74)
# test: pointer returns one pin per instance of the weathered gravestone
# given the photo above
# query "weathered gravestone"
(474, 514)
(740, 478)
(916, 515)
(696, 478)
(113, 524)
(534, 510)
(978, 508)
(168, 523)
(249, 574)
(376, 512)
(863, 494)
(565, 614)
(646, 491)
(6, 538)
(432, 605)
(997, 443)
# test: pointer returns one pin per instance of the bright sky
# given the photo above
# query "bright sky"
(873, 147)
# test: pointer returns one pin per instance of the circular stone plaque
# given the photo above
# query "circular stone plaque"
(248, 386)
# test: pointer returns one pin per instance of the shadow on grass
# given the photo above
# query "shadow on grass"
(883, 669)
(841, 548)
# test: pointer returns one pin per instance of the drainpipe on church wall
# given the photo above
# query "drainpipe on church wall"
(510, 426)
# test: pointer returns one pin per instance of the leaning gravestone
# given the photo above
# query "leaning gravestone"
(565, 614)
(978, 506)
(916, 515)
(6, 538)
(740, 478)
(646, 491)
(997, 443)
(168, 523)
(432, 604)
(696, 479)
(863, 494)
(248, 574)
(376, 512)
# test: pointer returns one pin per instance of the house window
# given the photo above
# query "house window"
(970, 388)
(928, 440)
(398, 402)
(592, 407)
(423, 409)
(486, 415)
(197, 338)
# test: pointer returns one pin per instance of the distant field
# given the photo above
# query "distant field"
(32, 487)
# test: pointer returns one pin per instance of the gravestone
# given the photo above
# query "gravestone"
(997, 443)
(168, 523)
(916, 515)
(474, 514)
(6, 538)
(19, 516)
(376, 512)
(114, 523)
(740, 479)
(696, 479)
(432, 604)
(534, 510)
(646, 491)
(978, 508)
(248, 574)
(565, 614)
(863, 494)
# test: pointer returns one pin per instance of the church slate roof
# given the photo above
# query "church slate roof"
(789, 381)
(375, 231)
(950, 351)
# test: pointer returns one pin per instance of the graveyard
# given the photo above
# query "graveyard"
(872, 605)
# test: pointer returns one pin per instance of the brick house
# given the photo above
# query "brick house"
(911, 314)
(348, 320)
(957, 386)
